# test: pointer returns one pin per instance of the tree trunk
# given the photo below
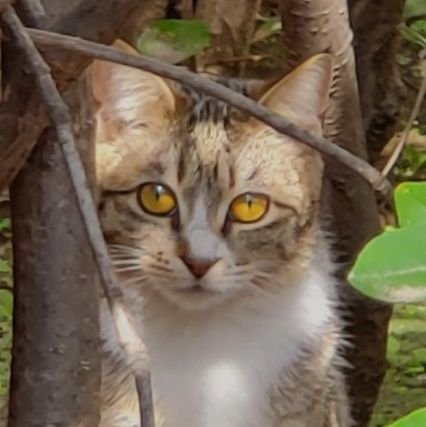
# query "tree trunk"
(56, 360)
(100, 21)
(316, 26)
(375, 24)
(231, 27)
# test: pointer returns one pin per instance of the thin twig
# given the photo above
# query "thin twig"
(413, 115)
(276, 121)
(61, 119)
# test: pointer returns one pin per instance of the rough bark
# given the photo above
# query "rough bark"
(102, 21)
(316, 26)
(231, 29)
(55, 370)
(375, 25)
(56, 360)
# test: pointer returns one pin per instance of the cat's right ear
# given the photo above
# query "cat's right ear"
(126, 95)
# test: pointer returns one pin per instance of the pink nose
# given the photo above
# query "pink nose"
(198, 267)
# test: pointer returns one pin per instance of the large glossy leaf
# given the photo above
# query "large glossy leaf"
(410, 200)
(392, 267)
(173, 40)
(415, 419)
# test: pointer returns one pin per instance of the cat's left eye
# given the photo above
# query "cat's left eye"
(249, 207)
(157, 199)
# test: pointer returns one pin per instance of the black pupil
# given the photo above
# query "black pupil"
(249, 200)
(159, 190)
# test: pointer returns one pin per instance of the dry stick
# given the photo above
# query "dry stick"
(276, 121)
(414, 113)
(61, 120)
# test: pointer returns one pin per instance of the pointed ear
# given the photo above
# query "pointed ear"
(303, 94)
(129, 95)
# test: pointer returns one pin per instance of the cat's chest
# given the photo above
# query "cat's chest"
(197, 388)
(220, 375)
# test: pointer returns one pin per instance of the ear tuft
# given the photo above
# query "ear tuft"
(303, 95)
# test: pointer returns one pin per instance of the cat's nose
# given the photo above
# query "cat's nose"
(199, 267)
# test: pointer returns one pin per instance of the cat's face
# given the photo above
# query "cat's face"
(201, 205)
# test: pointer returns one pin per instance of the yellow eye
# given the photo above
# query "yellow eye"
(249, 207)
(157, 199)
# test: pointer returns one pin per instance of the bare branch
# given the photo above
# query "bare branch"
(278, 122)
(414, 113)
(60, 116)
(21, 111)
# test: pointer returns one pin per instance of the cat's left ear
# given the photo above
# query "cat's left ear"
(303, 95)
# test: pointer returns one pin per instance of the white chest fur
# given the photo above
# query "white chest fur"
(216, 370)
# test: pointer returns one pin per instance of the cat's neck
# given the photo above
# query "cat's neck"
(234, 355)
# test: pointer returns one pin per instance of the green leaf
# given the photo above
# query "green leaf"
(413, 36)
(410, 200)
(414, 8)
(4, 224)
(415, 419)
(173, 40)
(6, 304)
(392, 266)
(4, 266)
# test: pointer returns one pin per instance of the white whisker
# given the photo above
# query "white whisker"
(128, 268)
(134, 280)
(125, 262)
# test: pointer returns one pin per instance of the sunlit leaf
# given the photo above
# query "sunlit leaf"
(174, 41)
(392, 266)
(415, 419)
(410, 200)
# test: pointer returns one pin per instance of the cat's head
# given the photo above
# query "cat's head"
(200, 204)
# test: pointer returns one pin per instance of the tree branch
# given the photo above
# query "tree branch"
(60, 116)
(22, 118)
(413, 115)
(278, 122)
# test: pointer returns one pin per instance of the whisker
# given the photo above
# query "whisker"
(125, 249)
(161, 268)
(125, 262)
(134, 280)
(129, 268)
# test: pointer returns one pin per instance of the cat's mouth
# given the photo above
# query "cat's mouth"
(197, 288)
(195, 296)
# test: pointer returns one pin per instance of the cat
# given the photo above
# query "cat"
(212, 220)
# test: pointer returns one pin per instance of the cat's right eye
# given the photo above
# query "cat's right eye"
(157, 199)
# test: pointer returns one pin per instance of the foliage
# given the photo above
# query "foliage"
(173, 40)
(414, 9)
(5, 339)
(392, 267)
(5, 309)
(415, 419)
